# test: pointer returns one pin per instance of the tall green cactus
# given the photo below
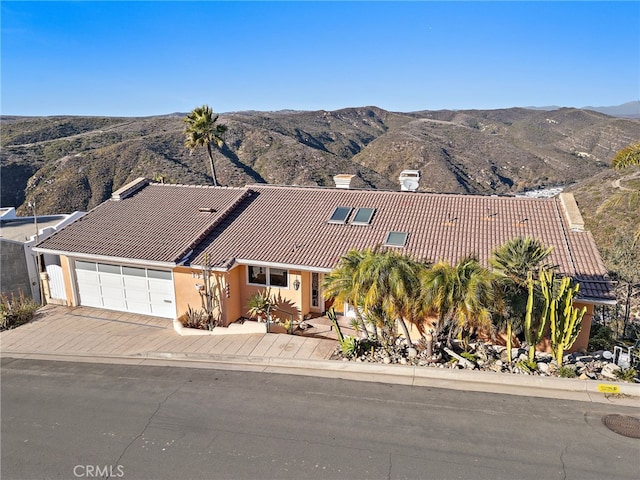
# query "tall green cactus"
(564, 319)
(534, 331)
(332, 316)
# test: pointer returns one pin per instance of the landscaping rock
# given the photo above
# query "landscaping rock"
(609, 369)
(412, 352)
(543, 367)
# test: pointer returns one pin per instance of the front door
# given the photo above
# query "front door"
(316, 294)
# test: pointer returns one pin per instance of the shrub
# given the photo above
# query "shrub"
(469, 356)
(16, 311)
(626, 374)
(601, 338)
(528, 365)
(567, 372)
(196, 319)
(349, 346)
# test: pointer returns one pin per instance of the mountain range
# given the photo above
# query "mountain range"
(66, 163)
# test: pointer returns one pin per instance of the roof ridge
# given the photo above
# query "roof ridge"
(187, 185)
(399, 192)
(209, 228)
(565, 236)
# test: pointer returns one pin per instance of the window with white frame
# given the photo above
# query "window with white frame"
(267, 276)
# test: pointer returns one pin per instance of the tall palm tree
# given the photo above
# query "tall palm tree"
(513, 263)
(201, 130)
(626, 157)
(461, 294)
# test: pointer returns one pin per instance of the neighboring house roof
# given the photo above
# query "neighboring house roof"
(21, 229)
(289, 226)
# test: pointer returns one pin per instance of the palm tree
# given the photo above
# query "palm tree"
(462, 295)
(626, 157)
(339, 284)
(390, 281)
(513, 262)
(382, 286)
(202, 130)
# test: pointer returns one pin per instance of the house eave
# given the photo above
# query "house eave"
(285, 266)
(104, 258)
(596, 301)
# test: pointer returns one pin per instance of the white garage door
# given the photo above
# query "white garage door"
(128, 289)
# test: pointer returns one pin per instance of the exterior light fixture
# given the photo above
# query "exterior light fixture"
(296, 284)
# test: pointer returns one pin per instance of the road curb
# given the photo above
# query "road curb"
(550, 387)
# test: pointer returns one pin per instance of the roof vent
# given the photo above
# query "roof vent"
(129, 189)
(409, 180)
(571, 212)
(343, 180)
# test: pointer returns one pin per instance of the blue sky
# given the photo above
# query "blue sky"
(149, 58)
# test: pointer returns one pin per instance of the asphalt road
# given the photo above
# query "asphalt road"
(79, 420)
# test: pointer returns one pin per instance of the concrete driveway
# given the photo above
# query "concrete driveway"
(85, 331)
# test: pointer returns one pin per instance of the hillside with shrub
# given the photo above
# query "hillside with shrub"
(74, 163)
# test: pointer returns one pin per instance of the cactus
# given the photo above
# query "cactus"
(564, 319)
(332, 316)
(533, 331)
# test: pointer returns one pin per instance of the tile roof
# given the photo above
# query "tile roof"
(289, 226)
(158, 223)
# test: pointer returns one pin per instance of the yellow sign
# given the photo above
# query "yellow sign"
(602, 387)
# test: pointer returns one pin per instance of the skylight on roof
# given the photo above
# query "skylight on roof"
(396, 239)
(363, 216)
(340, 215)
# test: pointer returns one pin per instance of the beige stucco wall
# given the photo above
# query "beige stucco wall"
(235, 305)
(583, 337)
(185, 280)
(290, 300)
(232, 305)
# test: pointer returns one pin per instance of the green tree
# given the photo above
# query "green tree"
(626, 157)
(512, 263)
(339, 284)
(201, 130)
(462, 296)
(390, 282)
(382, 286)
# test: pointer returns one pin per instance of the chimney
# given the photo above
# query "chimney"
(409, 180)
(571, 212)
(129, 189)
(343, 180)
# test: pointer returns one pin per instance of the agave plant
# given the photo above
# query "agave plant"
(261, 304)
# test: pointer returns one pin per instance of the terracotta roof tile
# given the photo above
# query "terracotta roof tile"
(288, 225)
(156, 223)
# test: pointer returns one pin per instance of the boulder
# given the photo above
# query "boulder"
(609, 369)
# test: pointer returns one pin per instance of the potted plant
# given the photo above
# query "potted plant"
(261, 304)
